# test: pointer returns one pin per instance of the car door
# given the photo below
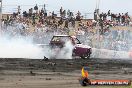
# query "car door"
(77, 49)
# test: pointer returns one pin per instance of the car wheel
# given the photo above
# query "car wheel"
(85, 56)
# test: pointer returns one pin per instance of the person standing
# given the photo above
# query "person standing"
(36, 8)
(61, 11)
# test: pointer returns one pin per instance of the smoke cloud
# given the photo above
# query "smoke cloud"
(59, 53)
(23, 47)
(19, 47)
(66, 51)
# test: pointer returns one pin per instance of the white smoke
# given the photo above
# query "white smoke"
(20, 47)
(59, 53)
(13, 45)
(23, 47)
(109, 54)
(66, 51)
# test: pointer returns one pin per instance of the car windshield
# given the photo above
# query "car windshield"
(60, 38)
(65, 39)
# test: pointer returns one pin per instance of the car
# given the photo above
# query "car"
(58, 42)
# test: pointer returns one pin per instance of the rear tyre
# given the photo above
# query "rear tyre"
(85, 56)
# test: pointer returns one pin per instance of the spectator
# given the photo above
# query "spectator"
(66, 23)
(78, 17)
(33, 19)
(122, 18)
(25, 14)
(109, 14)
(95, 15)
(36, 8)
(60, 22)
(61, 11)
(30, 12)
(53, 15)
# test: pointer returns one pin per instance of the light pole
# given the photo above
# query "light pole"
(98, 25)
(98, 3)
(0, 14)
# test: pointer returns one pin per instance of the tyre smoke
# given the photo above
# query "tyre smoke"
(19, 47)
(57, 52)
(66, 51)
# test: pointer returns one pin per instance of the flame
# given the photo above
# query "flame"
(84, 73)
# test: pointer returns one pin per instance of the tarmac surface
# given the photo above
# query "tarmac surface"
(55, 73)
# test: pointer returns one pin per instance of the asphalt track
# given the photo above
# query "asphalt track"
(64, 64)
(59, 73)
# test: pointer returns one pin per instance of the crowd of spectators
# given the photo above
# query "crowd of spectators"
(39, 19)
(110, 19)
(40, 23)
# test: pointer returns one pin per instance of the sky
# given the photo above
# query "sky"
(84, 6)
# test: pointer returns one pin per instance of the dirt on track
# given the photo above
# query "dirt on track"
(55, 73)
